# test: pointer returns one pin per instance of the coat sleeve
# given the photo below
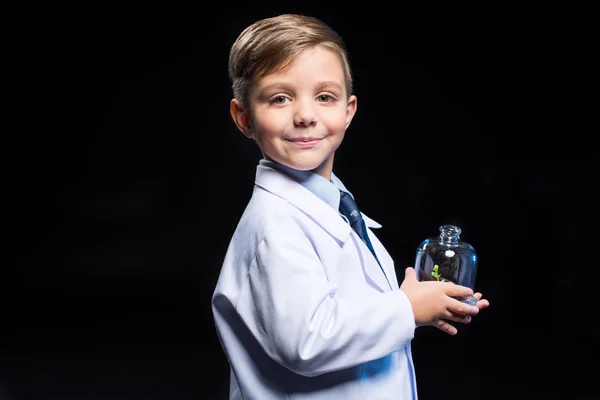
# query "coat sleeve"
(301, 321)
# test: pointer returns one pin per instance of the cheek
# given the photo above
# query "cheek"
(337, 124)
(271, 123)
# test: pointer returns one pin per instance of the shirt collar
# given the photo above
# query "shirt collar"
(328, 191)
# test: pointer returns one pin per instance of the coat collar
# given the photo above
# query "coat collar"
(303, 199)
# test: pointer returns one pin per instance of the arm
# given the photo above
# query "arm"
(303, 323)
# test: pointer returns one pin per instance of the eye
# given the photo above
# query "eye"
(279, 99)
(325, 98)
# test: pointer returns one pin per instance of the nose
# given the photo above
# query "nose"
(305, 113)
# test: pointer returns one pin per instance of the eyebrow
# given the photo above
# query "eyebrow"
(330, 83)
(285, 85)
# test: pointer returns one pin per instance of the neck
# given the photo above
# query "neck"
(325, 168)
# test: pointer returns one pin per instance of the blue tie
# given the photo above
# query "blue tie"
(349, 208)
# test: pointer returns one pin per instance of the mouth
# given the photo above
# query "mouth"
(305, 142)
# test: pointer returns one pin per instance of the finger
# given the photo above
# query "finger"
(458, 290)
(458, 307)
(445, 327)
(409, 273)
(481, 303)
(463, 319)
(455, 316)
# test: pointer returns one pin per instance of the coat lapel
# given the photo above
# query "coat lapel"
(288, 189)
(387, 264)
(329, 219)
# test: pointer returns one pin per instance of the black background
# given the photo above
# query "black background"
(134, 177)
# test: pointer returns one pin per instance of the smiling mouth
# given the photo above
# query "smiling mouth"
(304, 139)
(305, 142)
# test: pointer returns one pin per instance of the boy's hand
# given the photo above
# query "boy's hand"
(481, 303)
(464, 318)
(432, 302)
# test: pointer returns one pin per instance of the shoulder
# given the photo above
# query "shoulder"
(267, 215)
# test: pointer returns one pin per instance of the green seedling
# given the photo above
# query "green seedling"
(436, 274)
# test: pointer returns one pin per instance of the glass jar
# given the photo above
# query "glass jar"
(446, 258)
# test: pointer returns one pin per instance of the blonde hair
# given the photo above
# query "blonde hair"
(270, 44)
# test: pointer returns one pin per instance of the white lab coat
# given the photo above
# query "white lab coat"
(302, 308)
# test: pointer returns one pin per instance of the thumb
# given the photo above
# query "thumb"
(409, 273)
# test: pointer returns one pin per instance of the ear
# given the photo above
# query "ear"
(241, 119)
(350, 109)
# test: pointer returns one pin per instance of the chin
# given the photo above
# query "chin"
(306, 165)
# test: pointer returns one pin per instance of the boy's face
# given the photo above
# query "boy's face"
(298, 116)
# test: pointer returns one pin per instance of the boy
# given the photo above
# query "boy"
(306, 308)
